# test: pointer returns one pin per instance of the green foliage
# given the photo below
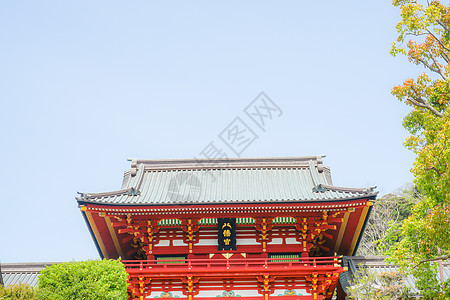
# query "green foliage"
(89, 280)
(427, 282)
(20, 291)
(369, 285)
(391, 237)
(432, 165)
(428, 24)
(425, 235)
(387, 214)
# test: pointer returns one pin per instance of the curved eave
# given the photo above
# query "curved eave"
(370, 196)
(92, 235)
(362, 231)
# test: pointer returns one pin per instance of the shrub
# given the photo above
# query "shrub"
(368, 285)
(89, 280)
(20, 291)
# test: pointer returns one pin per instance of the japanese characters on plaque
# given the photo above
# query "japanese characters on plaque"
(226, 228)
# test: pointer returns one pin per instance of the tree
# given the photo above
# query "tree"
(387, 213)
(429, 95)
(20, 291)
(368, 285)
(425, 235)
(89, 280)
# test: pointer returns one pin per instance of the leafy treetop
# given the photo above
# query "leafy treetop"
(90, 280)
(424, 37)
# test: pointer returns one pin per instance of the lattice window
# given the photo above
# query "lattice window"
(161, 259)
(289, 257)
(169, 222)
(239, 221)
(208, 221)
(245, 221)
(284, 220)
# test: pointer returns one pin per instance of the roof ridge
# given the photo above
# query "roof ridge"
(227, 163)
(200, 160)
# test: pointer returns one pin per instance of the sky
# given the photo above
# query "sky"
(85, 85)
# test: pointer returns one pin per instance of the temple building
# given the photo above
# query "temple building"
(258, 228)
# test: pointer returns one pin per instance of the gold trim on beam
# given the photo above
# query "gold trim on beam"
(341, 232)
(362, 219)
(114, 237)
(96, 234)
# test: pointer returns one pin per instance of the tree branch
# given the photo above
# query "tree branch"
(420, 102)
(440, 72)
(444, 55)
(427, 106)
(426, 64)
(434, 168)
(446, 28)
(414, 34)
(445, 257)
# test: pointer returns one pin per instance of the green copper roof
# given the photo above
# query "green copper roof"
(16, 273)
(161, 182)
(378, 265)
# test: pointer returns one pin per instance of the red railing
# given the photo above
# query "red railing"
(233, 263)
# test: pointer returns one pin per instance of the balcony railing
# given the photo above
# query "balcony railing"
(233, 264)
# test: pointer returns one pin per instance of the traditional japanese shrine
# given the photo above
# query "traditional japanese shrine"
(258, 228)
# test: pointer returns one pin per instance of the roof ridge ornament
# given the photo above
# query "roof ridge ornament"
(82, 195)
(132, 192)
(370, 189)
(321, 188)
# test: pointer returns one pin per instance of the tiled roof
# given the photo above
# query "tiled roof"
(378, 265)
(16, 278)
(28, 273)
(156, 182)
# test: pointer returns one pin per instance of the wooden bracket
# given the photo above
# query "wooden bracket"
(264, 226)
(190, 227)
(266, 285)
(190, 282)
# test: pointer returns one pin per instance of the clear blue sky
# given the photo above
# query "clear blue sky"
(84, 85)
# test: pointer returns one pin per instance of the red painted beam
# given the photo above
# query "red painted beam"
(271, 297)
(238, 268)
